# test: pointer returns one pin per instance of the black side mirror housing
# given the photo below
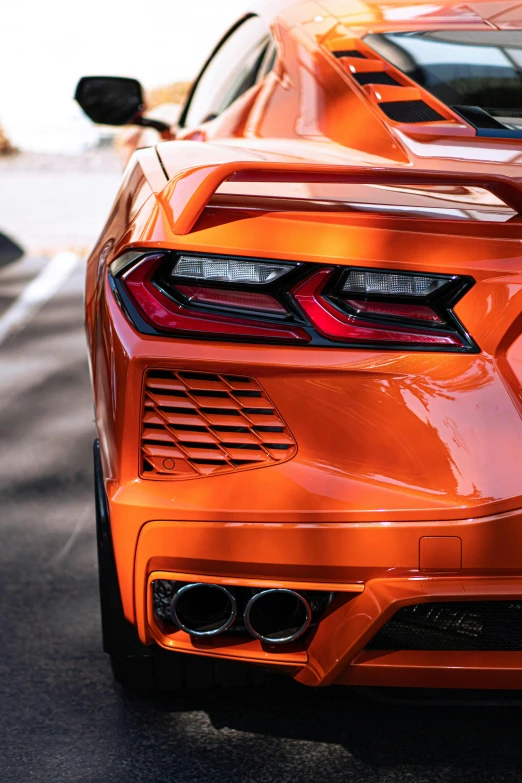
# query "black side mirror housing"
(110, 100)
(114, 100)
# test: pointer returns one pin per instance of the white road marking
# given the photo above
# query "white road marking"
(37, 292)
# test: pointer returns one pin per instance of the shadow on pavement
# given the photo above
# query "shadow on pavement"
(476, 739)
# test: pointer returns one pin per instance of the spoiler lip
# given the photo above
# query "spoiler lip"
(190, 189)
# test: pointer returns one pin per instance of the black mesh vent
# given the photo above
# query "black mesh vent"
(462, 625)
(410, 111)
(349, 53)
(376, 77)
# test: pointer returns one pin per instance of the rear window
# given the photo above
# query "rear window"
(462, 68)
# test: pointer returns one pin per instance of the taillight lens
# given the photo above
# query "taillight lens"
(334, 324)
(228, 270)
(257, 300)
(394, 310)
(223, 298)
(371, 282)
(157, 300)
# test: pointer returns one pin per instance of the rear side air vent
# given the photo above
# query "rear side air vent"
(201, 424)
(410, 111)
(375, 77)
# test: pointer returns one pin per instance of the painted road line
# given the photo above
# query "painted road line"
(42, 288)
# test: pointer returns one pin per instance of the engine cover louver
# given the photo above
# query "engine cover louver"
(409, 111)
(374, 77)
(201, 424)
(349, 53)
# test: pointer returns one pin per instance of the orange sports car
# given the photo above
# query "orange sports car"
(304, 318)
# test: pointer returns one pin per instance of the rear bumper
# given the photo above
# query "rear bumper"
(473, 670)
(373, 568)
(380, 504)
(432, 669)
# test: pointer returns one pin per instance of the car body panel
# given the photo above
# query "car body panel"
(406, 481)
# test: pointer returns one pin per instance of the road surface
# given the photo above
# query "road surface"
(62, 719)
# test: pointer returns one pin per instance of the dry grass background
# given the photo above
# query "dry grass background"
(6, 148)
(170, 93)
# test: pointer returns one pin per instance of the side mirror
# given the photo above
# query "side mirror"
(115, 100)
(110, 100)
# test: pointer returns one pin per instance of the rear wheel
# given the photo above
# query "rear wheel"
(171, 672)
(138, 667)
(134, 672)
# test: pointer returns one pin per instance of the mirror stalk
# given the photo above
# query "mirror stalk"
(147, 122)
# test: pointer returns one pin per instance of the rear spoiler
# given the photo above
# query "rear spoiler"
(190, 190)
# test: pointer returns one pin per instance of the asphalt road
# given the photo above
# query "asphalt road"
(63, 720)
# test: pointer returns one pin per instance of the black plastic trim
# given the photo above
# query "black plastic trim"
(485, 124)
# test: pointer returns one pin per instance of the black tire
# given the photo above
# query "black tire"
(165, 672)
(134, 672)
(119, 636)
(171, 672)
(138, 667)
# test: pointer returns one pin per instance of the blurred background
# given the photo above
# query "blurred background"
(62, 718)
(58, 171)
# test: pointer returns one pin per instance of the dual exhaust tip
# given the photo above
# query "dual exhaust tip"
(276, 616)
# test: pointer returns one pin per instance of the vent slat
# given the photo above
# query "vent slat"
(162, 451)
(167, 401)
(151, 418)
(182, 418)
(196, 386)
(164, 384)
(237, 438)
(276, 439)
(256, 403)
(217, 403)
(248, 454)
(270, 419)
(189, 436)
(156, 435)
(203, 454)
(228, 418)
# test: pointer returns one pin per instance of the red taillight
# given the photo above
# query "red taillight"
(394, 310)
(229, 298)
(336, 325)
(222, 297)
(166, 314)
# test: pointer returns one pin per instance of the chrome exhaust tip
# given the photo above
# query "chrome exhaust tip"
(203, 609)
(277, 616)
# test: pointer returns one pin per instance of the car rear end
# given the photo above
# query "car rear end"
(310, 430)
